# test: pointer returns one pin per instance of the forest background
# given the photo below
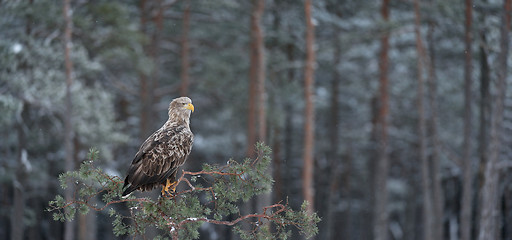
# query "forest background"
(392, 117)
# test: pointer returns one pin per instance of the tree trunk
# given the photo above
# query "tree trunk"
(278, 166)
(346, 191)
(144, 84)
(86, 225)
(185, 62)
(278, 162)
(467, 175)
(18, 209)
(428, 208)
(437, 194)
(485, 103)
(260, 68)
(148, 81)
(489, 193)
(87, 228)
(257, 116)
(288, 119)
(151, 12)
(308, 190)
(154, 53)
(256, 128)
(19, 181)
(506, 211)
(289, 128)
(484, 111)
(69, 232)
(333, 168)
(381, 215)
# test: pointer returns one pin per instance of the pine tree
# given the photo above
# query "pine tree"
(208, 196)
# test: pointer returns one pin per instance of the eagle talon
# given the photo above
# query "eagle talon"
(167, 194)
(169, 189)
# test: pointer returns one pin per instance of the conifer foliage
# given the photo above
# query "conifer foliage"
(208, 196)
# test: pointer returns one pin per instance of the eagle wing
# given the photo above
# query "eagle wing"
(158, 158)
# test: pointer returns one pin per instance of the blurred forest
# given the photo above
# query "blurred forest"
(392, 117)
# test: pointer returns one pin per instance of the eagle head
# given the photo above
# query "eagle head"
(180, 109)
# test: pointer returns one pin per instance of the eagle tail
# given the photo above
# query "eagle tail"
(129, 189)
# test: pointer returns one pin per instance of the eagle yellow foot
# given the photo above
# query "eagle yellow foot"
(169, 189)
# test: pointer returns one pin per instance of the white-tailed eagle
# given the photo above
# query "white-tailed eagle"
(160, 156)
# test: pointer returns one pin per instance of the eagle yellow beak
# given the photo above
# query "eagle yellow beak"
(190, 107)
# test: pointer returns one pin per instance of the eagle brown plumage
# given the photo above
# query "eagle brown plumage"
(160, 156)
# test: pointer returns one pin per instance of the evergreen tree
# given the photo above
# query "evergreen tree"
(208, 196)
